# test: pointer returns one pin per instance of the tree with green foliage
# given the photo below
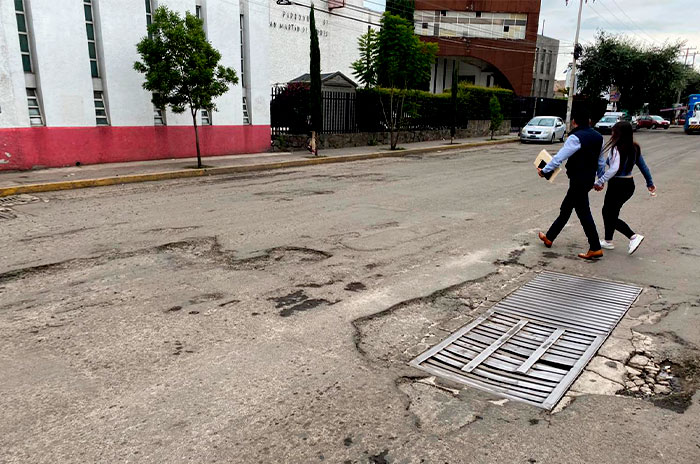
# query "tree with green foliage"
(402, 61)
(641, 75)
(496, 115)
(691, 83)
(316, 104)
(402, 8)
(181, 68)
(365, 68)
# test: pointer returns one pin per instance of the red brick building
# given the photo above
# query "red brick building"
(492, 41)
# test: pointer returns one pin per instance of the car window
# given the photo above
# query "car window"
(657, 118)
(609, 119)
(546, 122)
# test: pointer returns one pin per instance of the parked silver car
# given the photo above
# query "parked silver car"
(543, 129)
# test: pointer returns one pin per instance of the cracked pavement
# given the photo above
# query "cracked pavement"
(271, 317)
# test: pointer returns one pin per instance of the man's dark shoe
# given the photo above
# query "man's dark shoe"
(590, 255)
(547, 242)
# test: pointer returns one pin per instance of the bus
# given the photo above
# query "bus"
(692, 117)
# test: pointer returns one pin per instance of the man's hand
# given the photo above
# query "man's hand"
(539, 172)
(598, 188)
(652, 189)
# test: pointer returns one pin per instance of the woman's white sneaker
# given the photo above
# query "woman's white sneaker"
(607, 245)
(635, 241)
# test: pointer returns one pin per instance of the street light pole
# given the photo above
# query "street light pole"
(570, 103)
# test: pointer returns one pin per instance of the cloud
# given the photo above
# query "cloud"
(650, 22)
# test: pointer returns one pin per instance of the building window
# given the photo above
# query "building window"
(100, 109)
(456, 24)
(549, 62)
(246, 115)
(149, 13)
(23, 35)
(198, 11)
(206, 117)
(542, 60)
(158, 115)
(35, 118)
(242, 53)
(92, 44)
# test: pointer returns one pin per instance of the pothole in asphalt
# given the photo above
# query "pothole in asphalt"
(355, 287)
(666, 384)
(281, 255)
(297, 302)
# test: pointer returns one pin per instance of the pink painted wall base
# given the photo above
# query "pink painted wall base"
(27, 148)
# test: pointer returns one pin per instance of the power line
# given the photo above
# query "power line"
(633, 22)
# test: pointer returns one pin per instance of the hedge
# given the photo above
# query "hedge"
(422, 110)
(425, 110)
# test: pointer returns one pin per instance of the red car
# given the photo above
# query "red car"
(652, 122)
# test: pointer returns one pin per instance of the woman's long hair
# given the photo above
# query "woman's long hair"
(623, 139)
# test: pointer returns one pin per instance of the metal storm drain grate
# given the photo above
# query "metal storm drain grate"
(532, 345)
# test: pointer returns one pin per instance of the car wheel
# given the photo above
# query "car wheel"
(666, 127)
(553, 137)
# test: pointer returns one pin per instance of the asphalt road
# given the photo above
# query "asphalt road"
(270, 317)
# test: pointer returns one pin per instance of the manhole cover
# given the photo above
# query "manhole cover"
(531, 346)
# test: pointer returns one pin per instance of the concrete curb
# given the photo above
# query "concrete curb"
(187, 173)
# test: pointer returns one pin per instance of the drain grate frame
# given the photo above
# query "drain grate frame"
(532, 345)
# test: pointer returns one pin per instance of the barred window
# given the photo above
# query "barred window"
(158, 116)
(35, 118)
(246, 114)
(206, 117)
(100, 109)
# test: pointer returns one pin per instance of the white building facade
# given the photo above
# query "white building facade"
(340, 23)
(69, 93)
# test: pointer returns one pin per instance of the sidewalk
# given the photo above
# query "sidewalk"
(44, 180)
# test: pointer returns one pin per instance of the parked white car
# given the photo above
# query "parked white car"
(543, 129)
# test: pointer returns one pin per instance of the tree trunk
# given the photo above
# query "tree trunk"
(314, 148)
(196, 138)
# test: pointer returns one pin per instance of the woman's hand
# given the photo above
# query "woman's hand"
(598, 188)
(652, 189)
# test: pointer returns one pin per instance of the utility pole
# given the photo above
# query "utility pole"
(677, 113)
(572, 89)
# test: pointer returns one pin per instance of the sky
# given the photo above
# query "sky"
(650, 22)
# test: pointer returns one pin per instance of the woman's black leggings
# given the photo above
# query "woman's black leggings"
(620, 189)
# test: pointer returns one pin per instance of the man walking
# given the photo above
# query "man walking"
(582, 150)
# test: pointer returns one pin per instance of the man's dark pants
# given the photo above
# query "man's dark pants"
(577, 199)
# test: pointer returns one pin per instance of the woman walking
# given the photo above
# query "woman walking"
(624, 154)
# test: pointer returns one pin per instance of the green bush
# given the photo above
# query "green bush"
(428, 111)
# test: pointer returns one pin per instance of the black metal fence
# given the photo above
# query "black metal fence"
(367, 110)
(290, 112)
(339, 110)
